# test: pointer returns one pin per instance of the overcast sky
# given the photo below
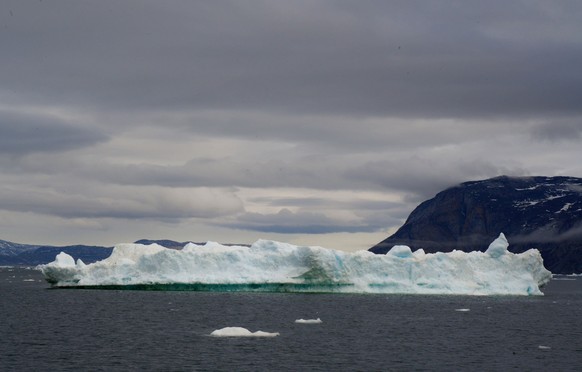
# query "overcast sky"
(310, 122)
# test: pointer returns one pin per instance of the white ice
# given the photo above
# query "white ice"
(273, 266)
(309, 321)
(240, 332)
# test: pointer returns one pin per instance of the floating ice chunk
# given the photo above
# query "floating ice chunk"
(542, 347)
(128, 253)
(64, 260)
(402, 251)
(498, 247)
(240, 332)
(463, 310)
(419, 253)
(309, 321)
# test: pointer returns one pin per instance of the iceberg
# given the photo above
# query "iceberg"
(271, 266)
(241, 332)
(309, 321)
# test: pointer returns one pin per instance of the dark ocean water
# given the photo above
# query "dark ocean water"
(44, 329)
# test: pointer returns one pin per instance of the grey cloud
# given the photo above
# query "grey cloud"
(421, 178)
(547, 234)
(121, 202)
(576, 188)
(564, 130)
(332, 133)
(374, 212)
(369, 215)
(395, 97)
(322, 202)
(25, 133)
(418, 176)
(397, 58)
(288, 222)
(200, 172)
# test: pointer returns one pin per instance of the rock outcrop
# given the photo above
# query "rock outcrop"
(533, 212)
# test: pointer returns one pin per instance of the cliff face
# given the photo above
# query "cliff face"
(533, 212)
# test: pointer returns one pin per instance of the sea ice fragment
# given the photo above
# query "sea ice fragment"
(309, 321)
(241, 332)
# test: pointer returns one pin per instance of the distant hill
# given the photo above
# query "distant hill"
(533, 212)
(16, 254)
(179, 245)
(14, 249)
(164, 243)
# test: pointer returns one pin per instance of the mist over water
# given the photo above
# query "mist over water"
(59, 329)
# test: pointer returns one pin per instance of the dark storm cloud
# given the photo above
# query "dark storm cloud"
(408, 59)
(24, 133)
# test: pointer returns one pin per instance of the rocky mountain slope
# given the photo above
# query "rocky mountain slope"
(533, 212)
(15, 254)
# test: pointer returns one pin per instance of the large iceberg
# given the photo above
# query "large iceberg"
(280, 267)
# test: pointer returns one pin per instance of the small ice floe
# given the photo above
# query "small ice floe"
(542, 347)
(28, 280)
(309, 321)
(463, 310)
(240, 332)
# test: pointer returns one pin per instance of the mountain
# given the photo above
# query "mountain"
(179, 245)
(14, 249)
(15, 254)
(533, 212)
(164, 243)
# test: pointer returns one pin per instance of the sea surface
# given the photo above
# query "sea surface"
(44, 329)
